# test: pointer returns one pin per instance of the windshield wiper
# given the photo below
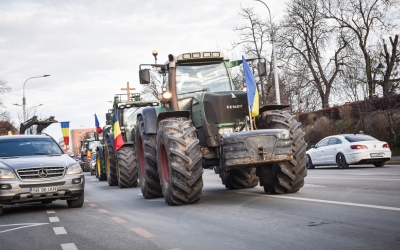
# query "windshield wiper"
(43, 153)
(194, 91)
(8, 157)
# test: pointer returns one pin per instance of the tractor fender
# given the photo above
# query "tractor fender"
(169, 114)
(111, 136)
(100, 149)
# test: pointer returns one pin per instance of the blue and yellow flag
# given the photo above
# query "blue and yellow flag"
(251, 89)
(65, 132)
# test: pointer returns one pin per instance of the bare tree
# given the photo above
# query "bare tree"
(152, 90)
(4, 88)
(361, 18)
(252, 38)
(392, 59)
(305, 36)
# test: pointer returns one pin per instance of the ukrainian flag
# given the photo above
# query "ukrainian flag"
(118, 141)
(251, 89)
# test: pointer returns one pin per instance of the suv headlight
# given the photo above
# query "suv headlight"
(6, 174)
(74, 169)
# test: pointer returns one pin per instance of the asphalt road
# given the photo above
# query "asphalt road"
(355, 208)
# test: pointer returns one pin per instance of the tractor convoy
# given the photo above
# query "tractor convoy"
(200, 122)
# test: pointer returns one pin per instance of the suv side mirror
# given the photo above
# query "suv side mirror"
(144, 75)
(313, 146)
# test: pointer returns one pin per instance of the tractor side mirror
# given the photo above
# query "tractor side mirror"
(262, 68)
(144, 75)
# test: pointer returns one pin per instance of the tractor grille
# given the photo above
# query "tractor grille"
(41, 172)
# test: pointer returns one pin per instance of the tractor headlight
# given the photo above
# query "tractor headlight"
(6, 174)
(74, 169)
(225, 131)
(165, 96)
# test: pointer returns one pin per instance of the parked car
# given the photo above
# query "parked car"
(348, 149)
(34, 168)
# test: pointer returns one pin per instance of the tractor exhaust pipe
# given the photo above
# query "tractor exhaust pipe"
(172, 83)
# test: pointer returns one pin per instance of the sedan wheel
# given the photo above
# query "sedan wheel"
(379, 164)
(309, 163)
(341, 161)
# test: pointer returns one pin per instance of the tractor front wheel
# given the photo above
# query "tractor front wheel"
(111, 166)
(146, 153)
(128, 171)
(287, 176)
(179, 161)
(239, 178)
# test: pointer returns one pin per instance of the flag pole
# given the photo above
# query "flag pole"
(251, 120)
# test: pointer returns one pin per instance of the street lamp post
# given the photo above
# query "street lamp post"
(23, 95)
(278, 98)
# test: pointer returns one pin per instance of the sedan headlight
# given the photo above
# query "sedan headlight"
(6, 174)
(74, 169)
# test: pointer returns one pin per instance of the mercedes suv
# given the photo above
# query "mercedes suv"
(34, 168)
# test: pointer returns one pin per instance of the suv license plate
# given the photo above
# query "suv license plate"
(377, 155)
(42, 190)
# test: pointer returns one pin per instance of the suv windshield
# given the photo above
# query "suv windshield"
(29, 146)
(213, 77)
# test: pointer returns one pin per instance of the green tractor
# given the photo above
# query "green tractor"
(203, 123)
(100, 168)
(121, 166)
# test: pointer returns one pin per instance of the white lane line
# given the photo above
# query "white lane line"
(349, 178)
(69, 246)
(22, 225)
(326, 201)
(51, 212)
(313, 185)
(59, 230)
(54, 219)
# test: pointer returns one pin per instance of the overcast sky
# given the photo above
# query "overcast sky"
(92, 48)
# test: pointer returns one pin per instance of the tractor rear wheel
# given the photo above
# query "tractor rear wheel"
(239, 178)
(287, 176)
(179, 161)
(128, 170)
(111, 167)
(146, 154)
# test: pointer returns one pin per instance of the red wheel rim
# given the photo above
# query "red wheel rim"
(164, 165)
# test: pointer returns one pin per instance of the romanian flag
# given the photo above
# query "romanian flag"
(97, 124)
(65, 132)
(251, 89)
(118, 141)
(9, 131)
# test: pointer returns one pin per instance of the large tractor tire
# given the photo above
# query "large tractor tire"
(146, 153)
(127, 166)
(179, 161)
(287, 176)
(111, 166)
(239, 178)
(86, 167)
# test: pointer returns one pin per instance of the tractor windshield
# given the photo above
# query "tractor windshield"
(208, 77)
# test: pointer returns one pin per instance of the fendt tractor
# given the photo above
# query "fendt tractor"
(203, 122)
(121, 166)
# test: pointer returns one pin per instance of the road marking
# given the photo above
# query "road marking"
(20, 226)
(54, 219)
(350, 178)
(69, 246)
(118, 219)
(59, 230)
(313, 185)
(92, 205)
(142, 232)
(174, 249)
(50, 211)
(102, 211)
(326, 201)
(86, 201)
